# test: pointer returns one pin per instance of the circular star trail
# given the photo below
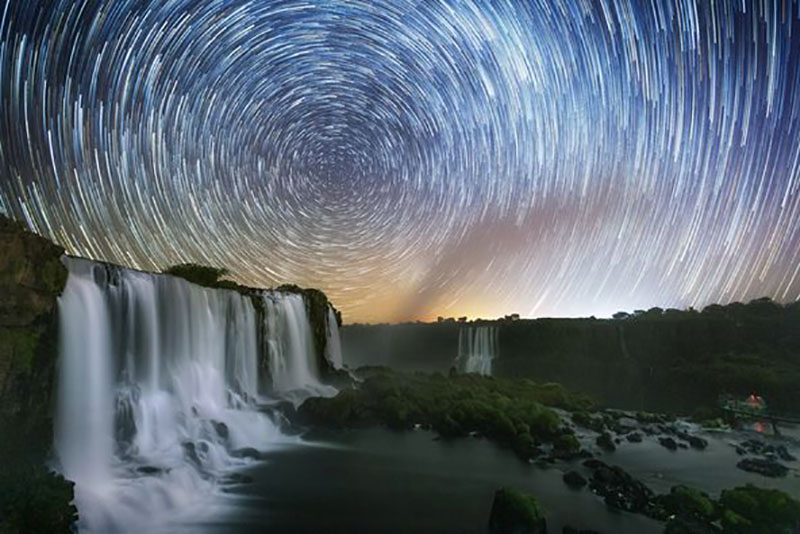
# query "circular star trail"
(415, 158)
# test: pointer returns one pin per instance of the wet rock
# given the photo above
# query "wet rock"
(767, 468)
(515, 512)
(573, 479)
(151, 470)
(668, 443)
(621, 491)
(695, 441)
(683, 445)
(190, 452)
(784, 454)
(634, 437)
(237, 478)
(221, 429)
(247, 452)
(605, 442)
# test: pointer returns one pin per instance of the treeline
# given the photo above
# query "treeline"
(662, 360)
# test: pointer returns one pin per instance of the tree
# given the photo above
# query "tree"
(198, 274)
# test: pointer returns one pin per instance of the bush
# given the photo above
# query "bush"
(758, 510)
(510, 412)
(201, 275)
(34, 499)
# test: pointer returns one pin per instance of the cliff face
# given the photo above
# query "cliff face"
(317, 305)
(660, 361)
(31, 279)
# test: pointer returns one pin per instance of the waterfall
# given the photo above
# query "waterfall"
(477, 347)
(333, 347)
(290, 347)
(158, 390)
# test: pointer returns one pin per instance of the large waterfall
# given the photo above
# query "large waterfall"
(477, 347)
(160, 392)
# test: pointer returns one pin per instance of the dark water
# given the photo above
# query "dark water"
(380, 481)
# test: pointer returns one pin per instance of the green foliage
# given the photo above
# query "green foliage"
(686, 501)
(757, 510)
(33, 499)
(514, 511)
(201, 275)
(567, 443)
(510, 412)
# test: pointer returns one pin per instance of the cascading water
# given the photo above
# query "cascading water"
(334, 345)
(290, 345)
(477, 347)
(159, 389)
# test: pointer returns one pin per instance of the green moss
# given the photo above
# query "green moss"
(22, 344)
(686, 501)
(515, 512)
(758, 510)
(567, 443)
(510, 412)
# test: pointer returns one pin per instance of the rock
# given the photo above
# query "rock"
(605, 442)
(151, 470)
(668, 443)
(683, 445)
(514, 512)
(237, 478)
(784, 454)
(247, 452)
(32, 277)
(695, 441)
(190, 452)
(573, 479)
(221, 429)
(767, 468)
(634, 437)
(623, 492)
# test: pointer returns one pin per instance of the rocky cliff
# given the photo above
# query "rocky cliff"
(31, 279)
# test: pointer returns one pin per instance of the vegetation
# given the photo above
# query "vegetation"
(34, 499)
(756, 510)
(515, 512)
(655, 360)
(202, 275)
(511, 412)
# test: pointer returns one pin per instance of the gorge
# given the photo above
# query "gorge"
(171, 405)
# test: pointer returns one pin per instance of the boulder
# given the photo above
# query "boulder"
(605, 442)
(767, 468)
(634, 437)
(668, 443)
(623, 492)
(573, 479)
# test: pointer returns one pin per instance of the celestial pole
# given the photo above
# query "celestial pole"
(417, 158)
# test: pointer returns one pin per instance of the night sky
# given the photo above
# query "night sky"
(417, 158)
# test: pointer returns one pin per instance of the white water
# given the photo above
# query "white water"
(290, 344)
(334, 344)
(477, 347)
(159, 386)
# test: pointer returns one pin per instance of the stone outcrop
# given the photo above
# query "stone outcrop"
(31, 279)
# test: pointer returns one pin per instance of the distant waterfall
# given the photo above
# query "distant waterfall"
(477, 347)
(334, 346)
(159, 387)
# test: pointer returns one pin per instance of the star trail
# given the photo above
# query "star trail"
(417, 158)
